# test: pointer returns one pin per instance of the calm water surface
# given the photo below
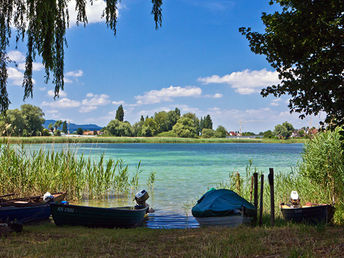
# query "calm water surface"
(185, 171)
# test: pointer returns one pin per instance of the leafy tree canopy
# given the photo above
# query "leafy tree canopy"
(220, 132)
(42, 25)
(120, 113)
(119, 128)
(186, 127)
(304, 42)
(149, 127)
(26, 121)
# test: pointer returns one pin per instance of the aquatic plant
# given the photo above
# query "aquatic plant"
(30, 173)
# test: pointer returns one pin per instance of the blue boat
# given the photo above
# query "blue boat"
(29, 209)
(223, 208)
(25, 214)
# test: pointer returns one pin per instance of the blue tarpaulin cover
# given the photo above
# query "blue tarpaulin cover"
(220, 202)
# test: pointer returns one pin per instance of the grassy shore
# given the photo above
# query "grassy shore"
(47, 240)
(51, 139)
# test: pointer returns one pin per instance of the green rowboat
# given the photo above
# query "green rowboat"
(75, 215)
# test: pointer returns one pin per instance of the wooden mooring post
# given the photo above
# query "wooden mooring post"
(261, 200)
(255, 194)
(272, 196)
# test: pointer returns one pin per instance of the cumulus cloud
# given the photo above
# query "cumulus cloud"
(51, 93)
(16, 56)
(62, 103)
(77, 73)
(94, 12)
(245, 82)
(15, 76)
(215, 96)
(69, 76)
(35, 66)
(167, 94)
(93, 101)
(276, 102)
(117, 103)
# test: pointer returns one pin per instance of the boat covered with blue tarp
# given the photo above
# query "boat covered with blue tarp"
(223, 206)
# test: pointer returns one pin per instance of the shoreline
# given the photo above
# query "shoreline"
(120, 140)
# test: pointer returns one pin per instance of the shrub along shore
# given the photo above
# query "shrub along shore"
(61, 139)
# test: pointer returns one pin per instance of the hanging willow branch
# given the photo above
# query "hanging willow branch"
(43, 24)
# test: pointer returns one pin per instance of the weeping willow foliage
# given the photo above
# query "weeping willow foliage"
(42, 24)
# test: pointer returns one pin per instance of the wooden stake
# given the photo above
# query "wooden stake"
(255, 194)
(272, 196)
(261, 200)
(238, 182)
(251, 189)
(255, 190)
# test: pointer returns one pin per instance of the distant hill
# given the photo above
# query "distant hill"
(73, 127)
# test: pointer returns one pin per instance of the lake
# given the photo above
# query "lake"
(185, 171)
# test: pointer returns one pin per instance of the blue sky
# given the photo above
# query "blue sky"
(197, 61)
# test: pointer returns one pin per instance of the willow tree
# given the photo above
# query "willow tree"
(42, 25)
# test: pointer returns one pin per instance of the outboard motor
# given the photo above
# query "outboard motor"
(48, 197)
(294, 199)
(141, 198)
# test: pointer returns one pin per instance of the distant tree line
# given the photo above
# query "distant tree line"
(168, 124)
(287, 130)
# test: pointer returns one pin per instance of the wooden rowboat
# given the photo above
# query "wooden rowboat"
(25, 210)
(310, 213)
(24, 214)
(31, 201)
(75, 215)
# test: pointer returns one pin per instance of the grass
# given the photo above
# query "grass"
(33, 173)
(47, 240)
(52, 139)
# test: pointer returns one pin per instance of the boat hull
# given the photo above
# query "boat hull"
(74, 215)
(24, 214)
(312, 215)
(226, 221)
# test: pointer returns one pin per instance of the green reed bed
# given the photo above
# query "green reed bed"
(51, 139)
(284, 183)
(30, 173)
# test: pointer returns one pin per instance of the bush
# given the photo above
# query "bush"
(323, 163)
(207, 133)
(167, 134)
(45, 132)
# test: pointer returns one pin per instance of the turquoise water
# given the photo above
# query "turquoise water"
(185, 171)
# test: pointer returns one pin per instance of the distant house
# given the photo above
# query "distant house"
(232, 133)
(92, 133)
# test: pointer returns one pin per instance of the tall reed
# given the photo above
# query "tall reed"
(30, 173)
(284, 183)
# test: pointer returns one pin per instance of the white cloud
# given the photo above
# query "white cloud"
(92, 101)
(245, 82)
(275, 102)
(73, 75)
(15, 76)
(167, 94)
(51, 93)
(16, 56)
(215, 96)
(94, 12)
(62, 103)
(77, 73)
(66, 80)
(35, 66)
(117, 103)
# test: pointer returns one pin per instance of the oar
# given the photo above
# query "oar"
(7, 195)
